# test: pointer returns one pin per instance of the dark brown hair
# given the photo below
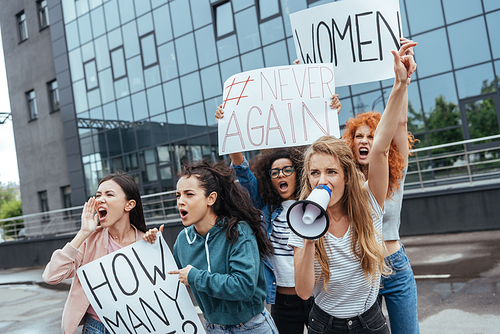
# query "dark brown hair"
(233, 204)
(132, 192)
(262, 164)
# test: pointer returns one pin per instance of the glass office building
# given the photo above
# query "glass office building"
(139, 80)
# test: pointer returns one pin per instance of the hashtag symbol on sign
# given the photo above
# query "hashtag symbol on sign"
(230, 87)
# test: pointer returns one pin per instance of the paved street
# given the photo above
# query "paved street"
(458, 278)
(469, 300)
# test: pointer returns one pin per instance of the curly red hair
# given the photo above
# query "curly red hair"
(396, 160)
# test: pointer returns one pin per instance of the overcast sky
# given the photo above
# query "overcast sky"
(8, 159)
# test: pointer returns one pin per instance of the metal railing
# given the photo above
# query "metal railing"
(444, 166)
(159, 208)
(453, 165)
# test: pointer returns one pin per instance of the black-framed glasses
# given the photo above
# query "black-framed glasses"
(275, 172)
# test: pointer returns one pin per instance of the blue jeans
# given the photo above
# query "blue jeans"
(261, 323)
(400, 293)
(369, 322)
(93, 326)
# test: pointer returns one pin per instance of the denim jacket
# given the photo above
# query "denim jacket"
(249, 182)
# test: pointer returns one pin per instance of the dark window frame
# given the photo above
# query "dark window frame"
(44, 203)
(31, 102)
(22, 26)
(144, 67)
(96, 74)
(269, 18)
(43, 14)
(465, 123)
(310, 2)
(215, 5)
(53, 93)
(66, 200)
(124, 62)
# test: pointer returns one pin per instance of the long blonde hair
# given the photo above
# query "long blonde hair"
(355, 203)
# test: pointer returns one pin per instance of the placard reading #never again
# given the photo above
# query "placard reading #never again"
(277, 107)
(131, 291)
(357, 36)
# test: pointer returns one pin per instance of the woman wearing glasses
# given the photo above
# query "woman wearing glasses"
(273, 188)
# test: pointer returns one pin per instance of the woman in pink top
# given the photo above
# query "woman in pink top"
(119, 222)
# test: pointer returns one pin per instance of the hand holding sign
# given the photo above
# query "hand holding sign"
(151, 235)
(403, 66)
(335, 104)
(409, 52)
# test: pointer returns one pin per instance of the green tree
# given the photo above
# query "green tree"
(415, 120)
(482, 115)
(10, 207)
(443, 115)
(482, 118)
(6, 194)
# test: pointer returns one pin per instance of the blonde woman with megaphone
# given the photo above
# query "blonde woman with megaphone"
(342, 269)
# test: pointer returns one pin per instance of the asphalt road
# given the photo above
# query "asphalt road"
(458, 281)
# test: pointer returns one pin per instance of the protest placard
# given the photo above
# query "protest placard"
(357, 36)
(277, 107)
(131, 291)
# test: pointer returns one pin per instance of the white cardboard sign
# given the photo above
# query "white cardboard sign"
(277, 107)
(132, 293)
(357, 36)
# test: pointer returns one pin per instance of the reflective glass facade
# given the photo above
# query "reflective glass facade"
(147, 75)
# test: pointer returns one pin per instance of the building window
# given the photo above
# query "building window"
(66, 200)
(33, 112)
(268, 9)
(223, 13)
(66, 197)
(91, 75)
(148, 50)
(53, 96)
(118, 63)
(43, 14)
(23, 27)
(44, 203)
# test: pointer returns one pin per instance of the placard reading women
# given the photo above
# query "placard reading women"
(357, 36)
(132, 293)
(277, 107)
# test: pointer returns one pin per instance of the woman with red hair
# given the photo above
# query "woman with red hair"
(399, 289)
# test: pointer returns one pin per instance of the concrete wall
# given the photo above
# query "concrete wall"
(448, 211)
(41, 157)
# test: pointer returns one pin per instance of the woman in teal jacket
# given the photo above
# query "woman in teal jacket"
(219, 252)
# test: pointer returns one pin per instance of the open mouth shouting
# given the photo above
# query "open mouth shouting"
(183, 213)
(363, 153)
(283, 186)
(103, 213)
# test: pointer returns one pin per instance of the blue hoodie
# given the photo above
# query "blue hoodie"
(227, 280)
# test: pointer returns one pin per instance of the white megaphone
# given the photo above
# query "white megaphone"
(308, 218)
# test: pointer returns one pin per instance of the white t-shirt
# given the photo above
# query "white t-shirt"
(283, 255)
(349, 292)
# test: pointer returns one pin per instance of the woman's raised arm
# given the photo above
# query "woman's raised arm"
(378, 173)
